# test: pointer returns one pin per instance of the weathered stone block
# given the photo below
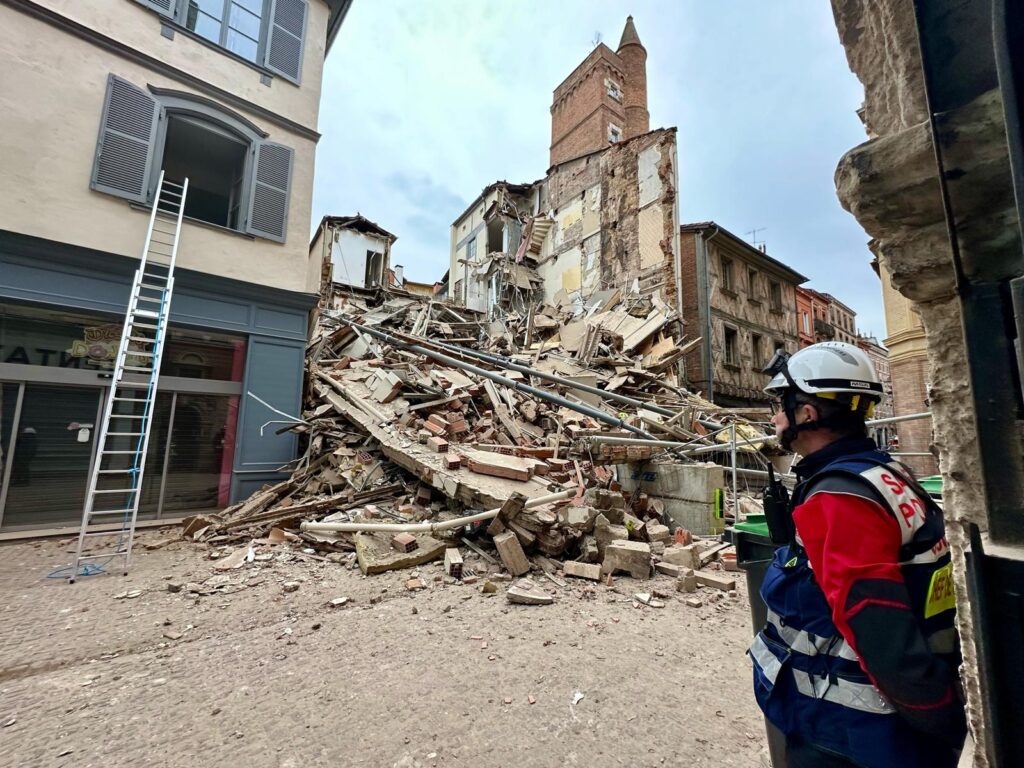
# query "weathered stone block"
(590, 571)
(633, 557)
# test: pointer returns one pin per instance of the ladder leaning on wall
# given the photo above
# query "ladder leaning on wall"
(115, 482)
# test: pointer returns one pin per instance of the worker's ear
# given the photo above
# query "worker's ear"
(809, 411)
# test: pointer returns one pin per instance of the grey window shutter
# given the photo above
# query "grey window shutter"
(268, 206)
(285, 41)
(163, 7)
(124, 152)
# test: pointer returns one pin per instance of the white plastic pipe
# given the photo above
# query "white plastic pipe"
(445, 525)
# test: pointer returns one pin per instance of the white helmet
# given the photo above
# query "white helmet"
(833, 370)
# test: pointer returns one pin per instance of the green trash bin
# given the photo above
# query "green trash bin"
(754, 553)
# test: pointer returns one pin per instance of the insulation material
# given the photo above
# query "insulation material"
(651, 231)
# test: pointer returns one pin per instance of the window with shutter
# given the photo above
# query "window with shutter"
(285, 41)
(163, 7)
(268, 207)
(124, 151)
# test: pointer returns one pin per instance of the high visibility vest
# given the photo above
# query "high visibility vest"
(807, 678)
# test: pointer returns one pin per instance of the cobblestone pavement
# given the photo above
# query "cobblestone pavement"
(254, 675)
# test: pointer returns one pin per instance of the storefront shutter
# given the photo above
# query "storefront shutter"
(285, 41)
(124, 152)
(163, 7)
(268, 207)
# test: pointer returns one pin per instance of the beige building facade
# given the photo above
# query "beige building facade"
(909, 372)
(97, 98)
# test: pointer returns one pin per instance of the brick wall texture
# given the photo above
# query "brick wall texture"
(582, 107)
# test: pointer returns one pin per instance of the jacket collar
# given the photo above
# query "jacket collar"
(844, 446)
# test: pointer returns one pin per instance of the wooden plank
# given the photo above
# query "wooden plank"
(500, 411)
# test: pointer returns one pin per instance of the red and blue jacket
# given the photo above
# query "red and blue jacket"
(859, 656)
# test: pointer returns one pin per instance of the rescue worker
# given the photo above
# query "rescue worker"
(857, 664)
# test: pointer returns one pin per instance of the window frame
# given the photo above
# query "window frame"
(614, 90)
(180, 18)
(270, 60)
(172, 105)
(773, 305)
(752, 284)
(617, 131)
(733, 333)
(756, 351)
(726, 264)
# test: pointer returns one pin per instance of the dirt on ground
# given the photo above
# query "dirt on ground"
(257, 668)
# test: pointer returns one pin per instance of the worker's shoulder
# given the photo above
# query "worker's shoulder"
(846, 477)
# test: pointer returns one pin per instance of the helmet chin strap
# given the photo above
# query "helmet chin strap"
(792, 430)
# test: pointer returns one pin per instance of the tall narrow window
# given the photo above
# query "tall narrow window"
(807, 323)
(752, 283)
(775, 295)
(727, 283)
(756, 352)
(731, 346)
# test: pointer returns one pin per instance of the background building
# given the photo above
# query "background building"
(843, 320)
(880, 358)
(97, 98)
(742, 302)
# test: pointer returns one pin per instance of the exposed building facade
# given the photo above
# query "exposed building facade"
(604, 217)
(97, 98)
(603, 100)
(355, 252)
(742, 303)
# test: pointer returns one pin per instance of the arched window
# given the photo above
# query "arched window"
(237, 179)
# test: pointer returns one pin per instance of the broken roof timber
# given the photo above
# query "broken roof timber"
(358, 223)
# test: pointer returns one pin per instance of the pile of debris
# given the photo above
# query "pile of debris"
(420, 439)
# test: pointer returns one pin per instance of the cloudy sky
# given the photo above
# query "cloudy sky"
(425, 102)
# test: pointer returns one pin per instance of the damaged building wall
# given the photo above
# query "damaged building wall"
(890, 184)
(489, 230)
(358, 259)
(607, 221)
(614, 215)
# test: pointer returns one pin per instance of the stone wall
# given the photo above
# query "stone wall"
(890, 184)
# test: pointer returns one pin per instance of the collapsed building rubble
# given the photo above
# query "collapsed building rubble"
(432, 434)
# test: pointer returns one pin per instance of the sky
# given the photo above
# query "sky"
(425, 102)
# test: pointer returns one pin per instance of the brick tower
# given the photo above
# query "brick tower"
(634, 61)
(603, 100)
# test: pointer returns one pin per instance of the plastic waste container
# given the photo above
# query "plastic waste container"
(754, 553)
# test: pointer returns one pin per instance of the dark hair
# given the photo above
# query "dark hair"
(837, 416)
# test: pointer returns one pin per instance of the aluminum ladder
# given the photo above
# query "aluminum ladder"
(115, 480)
